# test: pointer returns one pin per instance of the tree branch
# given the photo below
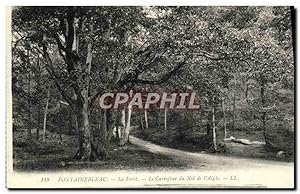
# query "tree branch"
(60, 47)
(163, 79)
(50, 69)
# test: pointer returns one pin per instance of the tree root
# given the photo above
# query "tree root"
(93, 155)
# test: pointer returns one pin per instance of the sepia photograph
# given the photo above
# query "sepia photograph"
(178, 97)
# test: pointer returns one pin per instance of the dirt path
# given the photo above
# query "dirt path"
(210, 161)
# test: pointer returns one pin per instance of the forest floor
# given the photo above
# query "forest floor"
(52, 154)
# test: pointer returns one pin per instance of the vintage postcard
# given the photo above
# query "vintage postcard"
(181, 97)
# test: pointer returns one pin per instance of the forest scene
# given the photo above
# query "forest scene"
(238, 61)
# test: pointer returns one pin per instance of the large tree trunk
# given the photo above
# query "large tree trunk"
(89, 150)
(79, 70)
(84, 135)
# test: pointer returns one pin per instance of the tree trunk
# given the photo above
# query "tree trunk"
(110, 123)
(39, 103)
(60, 129)
(127, 128)
(39, 123)
(193, 128)
(79, 70)
(159, 119)
(247, 94)
(84, 135)
(122, 124)
(29, 106)
(117, 121)
(100, 121)
(88, 150)
(70, 122)
(117, 132)
(104, 127)
(146, 119)
(264, 114)
(214, 126)
(224, 116)
(165, 121)
(125, 120)
(208, 129)
(141, 121)
(104, 134)
(76, 127)
(208, 126)
(234, 103)
(45, 114)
